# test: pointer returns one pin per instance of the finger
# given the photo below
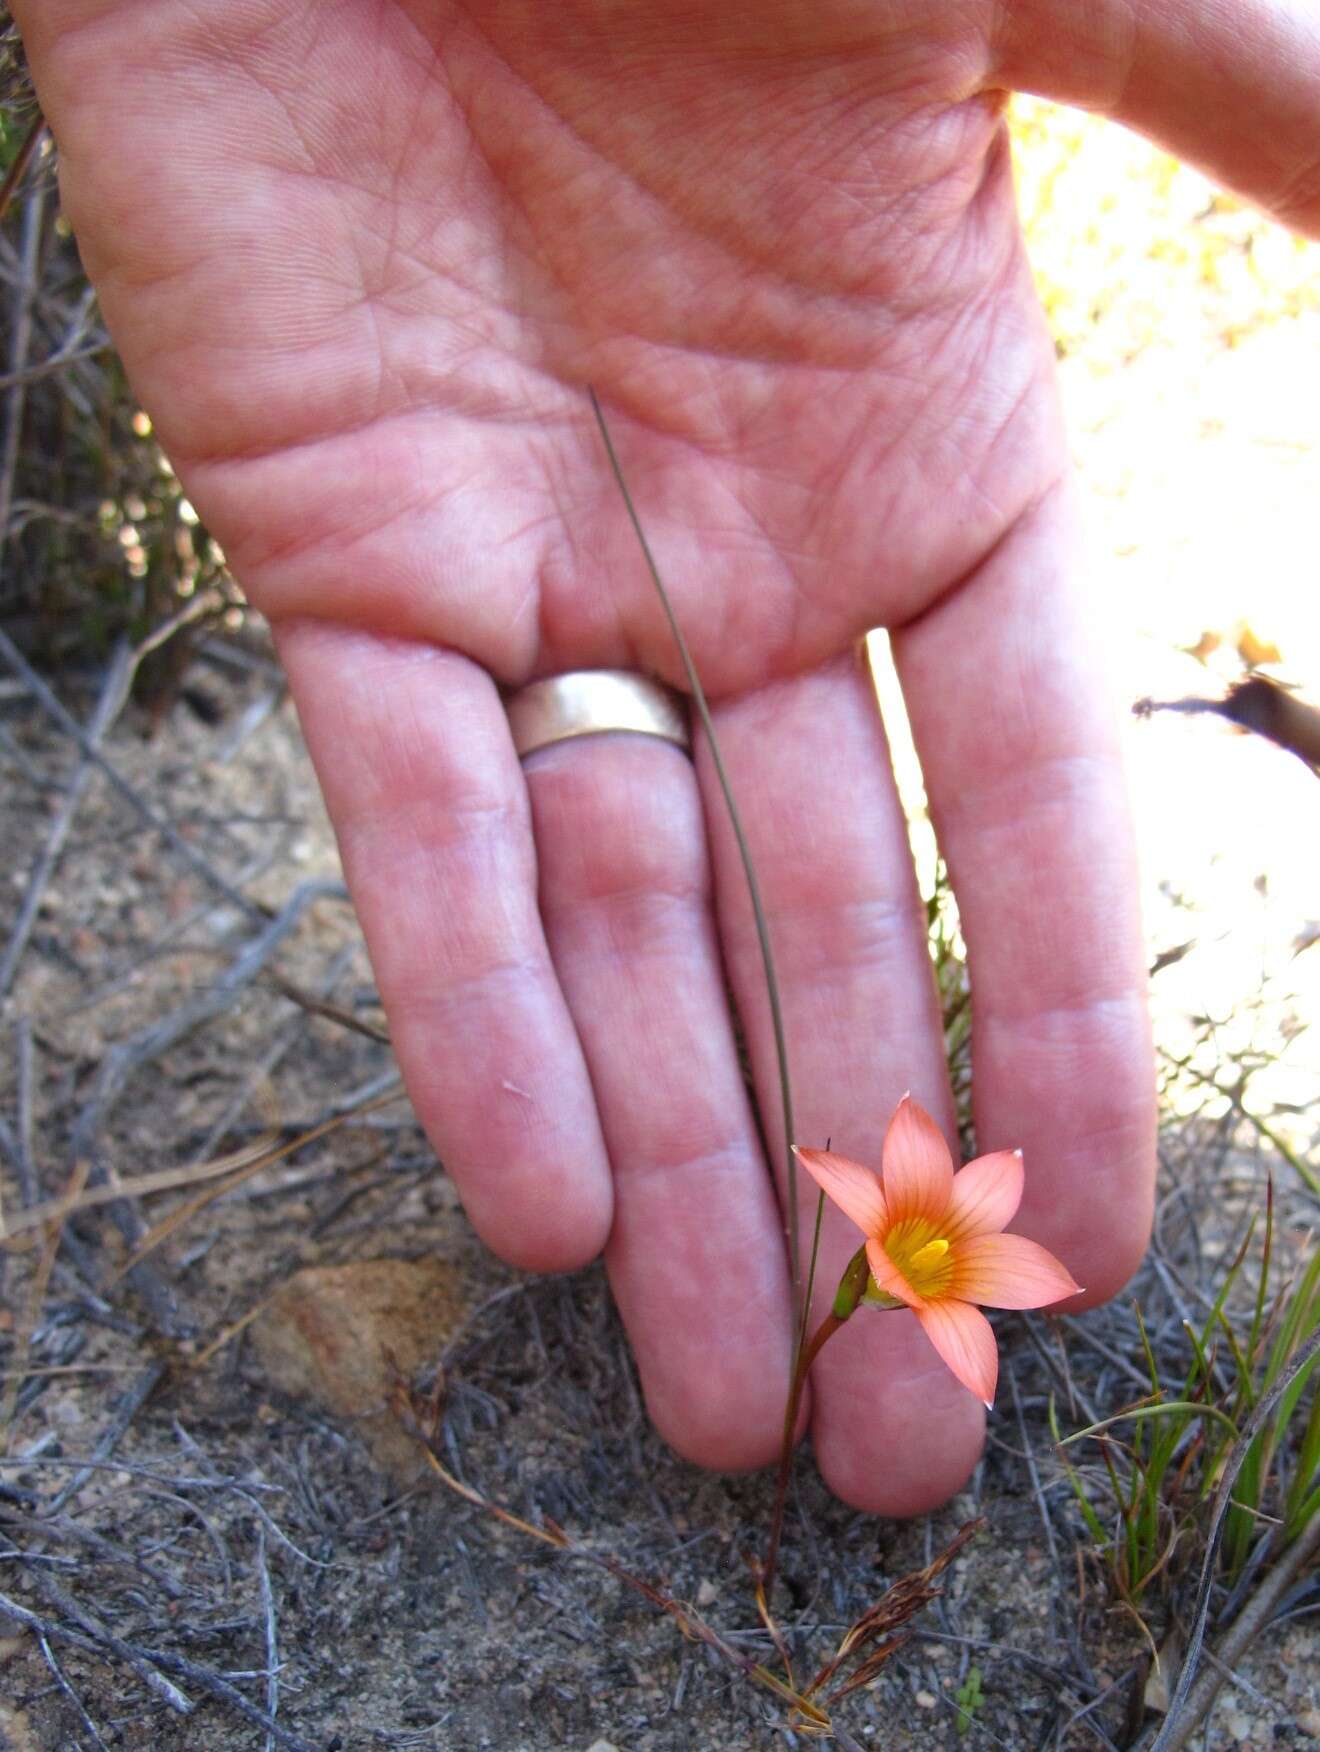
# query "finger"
(1232, 85)
(894, 1432)
(696, 1255)
(1005, 693)
(412, 749)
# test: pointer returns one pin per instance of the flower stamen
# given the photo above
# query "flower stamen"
(930, 1254)
(927, 1266)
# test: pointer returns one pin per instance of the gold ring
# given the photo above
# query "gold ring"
(591, 702)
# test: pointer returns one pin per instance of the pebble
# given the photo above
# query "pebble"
(1237, 1724)
(333, 1334)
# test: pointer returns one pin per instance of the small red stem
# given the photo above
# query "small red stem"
(806, 1357)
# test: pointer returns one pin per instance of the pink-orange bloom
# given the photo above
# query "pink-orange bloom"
(934, 1241)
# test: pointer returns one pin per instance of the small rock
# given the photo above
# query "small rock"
(337, 1334)
(1307, 1720)
(602, 1746)
(1237, 1723)
(707, 1593)
(926, 1700)
(15, 1730)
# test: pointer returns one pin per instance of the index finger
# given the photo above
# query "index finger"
(1233, 88)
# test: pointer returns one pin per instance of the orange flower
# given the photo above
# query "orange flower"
(933, 1239)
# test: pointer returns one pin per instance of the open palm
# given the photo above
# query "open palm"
(361, 261)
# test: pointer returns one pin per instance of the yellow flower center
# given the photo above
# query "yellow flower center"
(921, 1255)
(930, 1254)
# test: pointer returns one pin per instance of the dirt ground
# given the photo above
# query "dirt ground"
(192, 1556)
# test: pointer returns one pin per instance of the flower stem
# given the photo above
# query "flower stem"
(801, 1302)
(807, 1355)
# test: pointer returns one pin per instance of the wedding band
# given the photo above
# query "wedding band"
(589, 702)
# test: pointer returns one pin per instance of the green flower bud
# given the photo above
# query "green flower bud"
(852, 1285)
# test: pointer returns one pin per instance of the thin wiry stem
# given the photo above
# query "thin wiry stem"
(805, 1311)
(749, 868)
(806, 1356)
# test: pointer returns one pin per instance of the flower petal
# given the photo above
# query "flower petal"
(889, 1277)
(855, 1189)
(986, 1195)
(1008, 1271)
(962, 1336)
(918, 1169)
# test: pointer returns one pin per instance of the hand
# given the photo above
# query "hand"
(360, 261)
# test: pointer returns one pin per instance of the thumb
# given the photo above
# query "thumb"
(1232, 86)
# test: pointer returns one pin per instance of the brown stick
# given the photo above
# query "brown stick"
(1260, 705)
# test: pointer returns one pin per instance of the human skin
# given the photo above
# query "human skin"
(360, 261)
